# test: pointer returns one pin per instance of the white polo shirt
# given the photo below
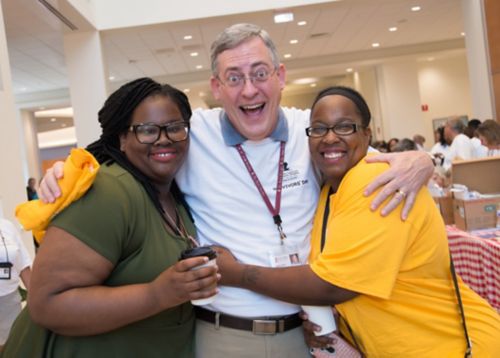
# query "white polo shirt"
(12, 246)
(228, 209)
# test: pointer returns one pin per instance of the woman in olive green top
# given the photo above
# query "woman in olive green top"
(107, 281)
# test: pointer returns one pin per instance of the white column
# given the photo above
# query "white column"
(366, 83)
(12, 181)
(400, 99)
(87, 82)
(478, 60)
(29, 125)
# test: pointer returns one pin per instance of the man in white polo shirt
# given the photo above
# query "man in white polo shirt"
(239, 156)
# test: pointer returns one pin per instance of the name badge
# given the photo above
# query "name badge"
(5, 270)
(284, 256)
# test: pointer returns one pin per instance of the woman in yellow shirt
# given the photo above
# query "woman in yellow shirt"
(389, 279)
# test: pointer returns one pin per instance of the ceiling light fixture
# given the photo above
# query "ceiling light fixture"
(294, 41)
(305, 81)
(111, 78)
(186, 90)
(283, 17)
(199, 67)
(375, 44)
(188, 37)
(53, 120)
(302, 23)
(462, 34)
(313, 85)
(392, 29)
(349, 69)
(416, 8)
(193, 54)
(287, 55)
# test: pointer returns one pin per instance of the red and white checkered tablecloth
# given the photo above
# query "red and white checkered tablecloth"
(477, 261)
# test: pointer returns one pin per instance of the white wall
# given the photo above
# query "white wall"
(400, 99)
(444, 87)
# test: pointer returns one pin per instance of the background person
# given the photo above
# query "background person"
(405, 145)
(247, 79)
(460, 145)
(480, 150)
(389, 279)
(15, 265)
(392, 144)
(419, 141)
(489, 134)
(107, 280)
(31, 189)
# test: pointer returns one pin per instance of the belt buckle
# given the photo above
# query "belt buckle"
(264, 327)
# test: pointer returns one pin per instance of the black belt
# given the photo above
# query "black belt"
(264, 325)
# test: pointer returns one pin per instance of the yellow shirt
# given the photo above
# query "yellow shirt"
(407, 304)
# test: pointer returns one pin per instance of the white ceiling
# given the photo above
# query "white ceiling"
(338, 35)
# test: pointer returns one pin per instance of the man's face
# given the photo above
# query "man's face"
(252, 106)
(448, 133)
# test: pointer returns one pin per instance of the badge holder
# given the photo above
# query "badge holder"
(5, 270)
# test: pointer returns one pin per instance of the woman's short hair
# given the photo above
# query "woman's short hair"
(490, 130)
(353, 95)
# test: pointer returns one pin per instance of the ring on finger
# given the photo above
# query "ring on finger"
(401, 192)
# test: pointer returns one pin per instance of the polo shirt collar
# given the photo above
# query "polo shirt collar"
(232, 137)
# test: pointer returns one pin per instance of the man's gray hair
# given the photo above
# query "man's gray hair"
(235, 35)
(457, 124)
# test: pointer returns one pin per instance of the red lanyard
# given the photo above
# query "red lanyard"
(275, 211)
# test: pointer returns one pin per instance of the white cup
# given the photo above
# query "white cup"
(204, 301)
(321, 316)
(197, 252)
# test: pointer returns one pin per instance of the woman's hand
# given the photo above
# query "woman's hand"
(183, 282)
(49, 189)
(409, 172)
(311, 339)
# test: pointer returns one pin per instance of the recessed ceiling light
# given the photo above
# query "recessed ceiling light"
(392, 29)
(430, 59)
(111, 78)
(53, 120)
(199, 67)
(287, 55)
(348, 69)
(302, 23)
(202, 94)
(294, 41)
(186, 90)
(305, 81)
(188, 37)
(63, 125)
(193, 54)
(375, 44)
(416, 8)
(462, 34)
(313, 85)
(283, 17)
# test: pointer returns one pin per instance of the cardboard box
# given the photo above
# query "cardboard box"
(445, 206)
(476, 214)
(481, 175)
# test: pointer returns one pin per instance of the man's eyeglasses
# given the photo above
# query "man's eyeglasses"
(341, 129)
(150, 133)
(234, 80)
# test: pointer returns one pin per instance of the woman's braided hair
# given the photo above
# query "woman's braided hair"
(115, 118)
